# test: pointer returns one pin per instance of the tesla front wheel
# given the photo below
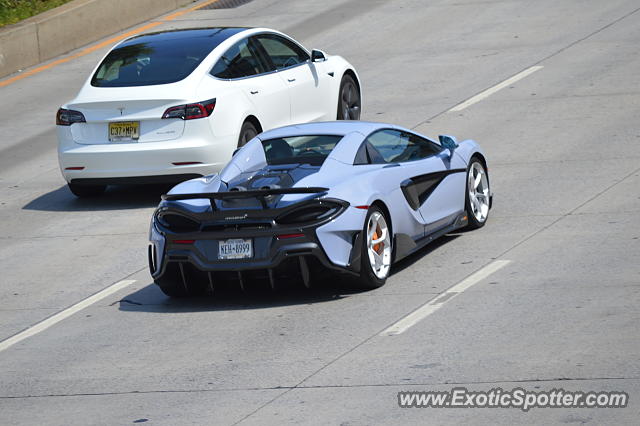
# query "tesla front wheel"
(86, 190)
(349, 104)
(247, 132)
(477, 200)
(376, 249)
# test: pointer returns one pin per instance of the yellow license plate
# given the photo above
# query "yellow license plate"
(124, 131)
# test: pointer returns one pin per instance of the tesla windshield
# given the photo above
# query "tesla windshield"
(158, 58)
(299, 149)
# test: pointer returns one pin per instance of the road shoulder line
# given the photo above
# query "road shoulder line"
(433, 305)
(66, 313)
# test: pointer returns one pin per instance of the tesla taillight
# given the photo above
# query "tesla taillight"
(191, 111)
(66, 117)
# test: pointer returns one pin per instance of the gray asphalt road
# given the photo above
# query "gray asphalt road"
(564, 145)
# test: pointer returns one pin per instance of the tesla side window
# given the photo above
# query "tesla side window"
(282, 52)
(237, 62)
(393, 146)
(150, 62)
(299, 149)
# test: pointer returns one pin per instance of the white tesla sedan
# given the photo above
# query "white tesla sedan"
(173, 105)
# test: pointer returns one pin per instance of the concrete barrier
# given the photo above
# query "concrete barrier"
(73, 25)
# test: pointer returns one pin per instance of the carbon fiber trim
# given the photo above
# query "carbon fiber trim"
(418, 188)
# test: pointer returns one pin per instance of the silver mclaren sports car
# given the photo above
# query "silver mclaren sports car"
(347, 197)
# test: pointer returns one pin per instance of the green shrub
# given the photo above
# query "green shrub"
(12, 11)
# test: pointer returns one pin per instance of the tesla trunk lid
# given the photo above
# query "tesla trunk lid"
(126, 121)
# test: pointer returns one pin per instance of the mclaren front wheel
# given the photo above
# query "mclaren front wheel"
(376, 251)
(478, 192)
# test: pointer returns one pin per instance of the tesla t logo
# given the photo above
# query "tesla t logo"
(121, 109)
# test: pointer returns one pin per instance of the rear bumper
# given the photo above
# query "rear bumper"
(298, 261)
(127, 162)
(136, 180)
(270, 253)
(277, 250)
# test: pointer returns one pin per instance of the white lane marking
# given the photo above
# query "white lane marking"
(56, 318)
(490, 91)
(433, 305)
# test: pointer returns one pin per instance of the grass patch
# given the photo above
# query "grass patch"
(12, 11)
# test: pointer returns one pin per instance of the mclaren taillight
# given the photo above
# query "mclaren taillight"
(191, 111)
(66, 117)
(184, 241)
(309, 213)
(178, 223)
(287, 236)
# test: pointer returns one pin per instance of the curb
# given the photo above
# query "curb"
(73, 25)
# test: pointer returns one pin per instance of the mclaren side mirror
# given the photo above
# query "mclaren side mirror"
(448, 142)
(318, 56)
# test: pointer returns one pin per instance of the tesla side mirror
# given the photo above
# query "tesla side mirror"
(318, 56)
(448, 142)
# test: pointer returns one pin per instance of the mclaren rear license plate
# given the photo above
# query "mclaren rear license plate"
(235, 249)
(124, 131)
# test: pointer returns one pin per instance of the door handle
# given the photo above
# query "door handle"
(254, 92)
(291, 80)
(391, 165)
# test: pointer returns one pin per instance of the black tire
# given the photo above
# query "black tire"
(349, 102)
(172, 288)
(247, 132)
(172, 284)
(475, 222)
(368, 279)
(84, 191)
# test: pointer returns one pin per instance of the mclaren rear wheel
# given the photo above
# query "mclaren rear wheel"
(377, 250)
(176, 282)
(84, 191)
(172, 288)
(477, 201)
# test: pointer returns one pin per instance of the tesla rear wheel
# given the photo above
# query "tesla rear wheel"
(247, 132)
(376, 251)
(477, 201)
(349, 104)
(83, 191)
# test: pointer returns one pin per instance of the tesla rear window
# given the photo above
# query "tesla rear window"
(159, 58)
(299, 149)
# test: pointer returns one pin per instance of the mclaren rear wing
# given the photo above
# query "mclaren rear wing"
(260, 194)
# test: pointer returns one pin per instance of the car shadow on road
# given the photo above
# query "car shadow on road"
(151, 299)
(424, 251)
(330, 288)
(121, 197)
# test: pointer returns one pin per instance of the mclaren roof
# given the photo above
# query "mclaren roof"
(327, 128)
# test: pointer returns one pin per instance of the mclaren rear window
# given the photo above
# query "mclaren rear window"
(300, 149)
(159, 58)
